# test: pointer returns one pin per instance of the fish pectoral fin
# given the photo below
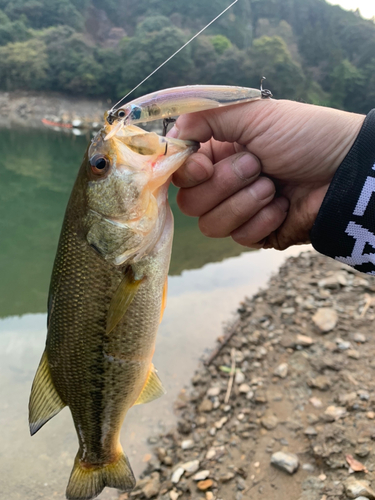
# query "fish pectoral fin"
(122, 299)
(153, 388)
(44, 402)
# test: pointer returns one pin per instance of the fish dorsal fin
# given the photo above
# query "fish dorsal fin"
(44, 402)
(152, 389)
(122, 299)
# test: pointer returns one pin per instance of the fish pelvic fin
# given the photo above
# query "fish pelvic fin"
(44, 401)
(87, 481)
(152, 389)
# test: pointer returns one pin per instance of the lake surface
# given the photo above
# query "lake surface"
(208, 279)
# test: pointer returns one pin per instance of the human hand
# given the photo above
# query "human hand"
(273, 201)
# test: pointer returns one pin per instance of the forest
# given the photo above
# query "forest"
(309, 50)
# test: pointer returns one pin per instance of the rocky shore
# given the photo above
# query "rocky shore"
(27, 109)
(284, 408)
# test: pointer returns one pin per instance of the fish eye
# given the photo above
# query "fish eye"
(99, 165)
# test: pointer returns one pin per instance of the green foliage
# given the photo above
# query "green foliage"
(23, 65)
(307, 49)
(220, 43)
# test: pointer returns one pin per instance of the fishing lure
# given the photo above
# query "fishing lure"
(167, 103)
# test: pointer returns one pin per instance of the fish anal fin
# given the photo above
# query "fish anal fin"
(152, 389)
(164, 298)
(122, 299)
(87, 481)
(44, 401)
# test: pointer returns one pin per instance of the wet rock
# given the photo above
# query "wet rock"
(285, 461)
(152, 487)
(325, 319)
(205, 485)
(355, 488)
(205, 406)
(282, 370)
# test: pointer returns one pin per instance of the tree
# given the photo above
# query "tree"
(220, 43)
(23, 65)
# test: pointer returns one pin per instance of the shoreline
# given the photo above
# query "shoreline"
(27, 109)
(302, 396)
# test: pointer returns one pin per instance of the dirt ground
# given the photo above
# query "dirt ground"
(296, 377)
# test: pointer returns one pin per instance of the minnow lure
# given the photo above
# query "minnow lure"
(167, 103)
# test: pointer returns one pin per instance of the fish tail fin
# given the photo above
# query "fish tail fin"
(87, 482)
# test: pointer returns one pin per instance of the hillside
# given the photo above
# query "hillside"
(309, 50)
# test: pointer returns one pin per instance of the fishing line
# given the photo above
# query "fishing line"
(171, 57)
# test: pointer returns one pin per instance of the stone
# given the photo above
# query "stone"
(201, 475)
(269, 421)
(213, 392)
(152, 487)
(219, 424)
(333, 282)
(173, 495)
(325, 319)
(205, 406)
(239, 377)
(244, 388)
(316, 402)
(358, 337)
(205, 485)
(285, 461)
(282, 370)
(310, 431)
(333, 413)
(343, 345)
(304, 341)
(355, 488)
(187, 444)
(177, 474)
(321, 382)
(191, 466)
(353, 353)
(225, 478)
(209, 495)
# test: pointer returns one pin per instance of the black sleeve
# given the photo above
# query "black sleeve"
(345, 226)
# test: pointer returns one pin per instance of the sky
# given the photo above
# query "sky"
(366, 7)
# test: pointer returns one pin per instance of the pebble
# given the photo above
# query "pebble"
(209, 495)
(205, 406)
(269, 421)
(205, 485)
(353, 353)
(321, 382)
(210, 453)
(358, 337)
(355, 488)
(282, 370)
(177, 474)
(226, 477)
(308, 467)
(370, 415)
(325, 319)
(191, 467)
(316, 402)
(304, 340)
(213, 392)
(201, 475)
(219, 424)
(310, 431)
(244, 388)
(343, 345)
(285, 461)
(333, 413)
(173, 495)
(152, 488)
(239, 378)
(187, 444)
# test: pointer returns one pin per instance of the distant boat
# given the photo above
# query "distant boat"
(51, 123)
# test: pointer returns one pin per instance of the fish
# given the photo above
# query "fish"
(167, 103)
(106, 299)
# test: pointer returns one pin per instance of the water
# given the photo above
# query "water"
(209, 278)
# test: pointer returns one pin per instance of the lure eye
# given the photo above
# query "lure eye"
(121, 114)
(99, 165)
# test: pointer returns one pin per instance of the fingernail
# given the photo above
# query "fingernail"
(246, 166)
(196, 172)
(283, 203)
(263, 188)
(174, 132)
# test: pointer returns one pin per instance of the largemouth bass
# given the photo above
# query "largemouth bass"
(106, 299)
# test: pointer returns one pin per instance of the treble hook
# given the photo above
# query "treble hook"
(266, 94)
